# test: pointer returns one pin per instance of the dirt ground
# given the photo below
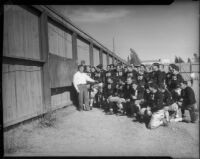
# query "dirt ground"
(92, 133)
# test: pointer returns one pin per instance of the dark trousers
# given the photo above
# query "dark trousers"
(133, 108)
(99, 99)
(83, 97)
(191, 109)
(113, 106)
(127, 108)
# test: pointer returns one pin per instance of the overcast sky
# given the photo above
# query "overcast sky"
(153, 31)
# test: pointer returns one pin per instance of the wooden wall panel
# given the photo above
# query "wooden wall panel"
(83, 52)
(96, 56)
(195, 67)
(104, 61)
(21, 33)
(61, 71)
(60, 100)
(22, 93)
(110, 60)
(9, 96)
(60, 42)
(185, 67)
(29, 82)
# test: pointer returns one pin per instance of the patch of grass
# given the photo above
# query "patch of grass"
(48, 120)
(16, 139)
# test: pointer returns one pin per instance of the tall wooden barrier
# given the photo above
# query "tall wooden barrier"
(41, 51)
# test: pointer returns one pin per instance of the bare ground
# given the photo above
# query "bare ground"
(93, 133)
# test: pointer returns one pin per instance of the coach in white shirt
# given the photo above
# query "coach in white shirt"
(80, 80)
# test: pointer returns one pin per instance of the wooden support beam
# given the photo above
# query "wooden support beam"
(45, 56)
(91, 54)
(22, 61)
(107, 58)
(31, 9)
(1, 107)
(113, 60)
(101, 56)
(74, 47)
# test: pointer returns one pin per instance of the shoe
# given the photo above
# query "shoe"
(110, 113)
(87, 109)
(165, 123)
(122, 114)
(134, 119)
(183, 116)
(194, 121)
(186, 121)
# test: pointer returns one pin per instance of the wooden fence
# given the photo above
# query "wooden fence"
(186, 69)
(41, 50)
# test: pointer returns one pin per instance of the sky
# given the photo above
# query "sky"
(153, 31)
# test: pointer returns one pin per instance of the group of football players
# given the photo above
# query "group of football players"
(145, 93)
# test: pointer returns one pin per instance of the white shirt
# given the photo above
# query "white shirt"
(81, 78)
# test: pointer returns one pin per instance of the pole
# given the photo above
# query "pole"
(113, 44)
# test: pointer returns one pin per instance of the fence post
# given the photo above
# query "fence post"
(113, 59)
(107, 58)
(101, 56)
(45, 56)
(74, 47)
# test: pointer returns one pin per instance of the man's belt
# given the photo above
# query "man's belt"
(81, 84)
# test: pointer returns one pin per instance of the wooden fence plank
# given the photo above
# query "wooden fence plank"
(107, 58)
(12, 106)
(91, 55)
(37, 88)
(22, 33)
(30, 101)
(40, 91)
(6, 90)
(101, 56)
(74, 47)
(45, 56)
(6, 48)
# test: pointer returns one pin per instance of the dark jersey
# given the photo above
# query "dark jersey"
(129, 74)
(156, 101)
(141, 79)
(163, 76)
(103, 73)
(147, 76)
(92, 75)
(119, 76)
(157, 77)
(127, 91)
(175, 96)
(135, 74)
(98, 76)
(107, 75)
(108, 90)
(138, 93)
(167, 98)
(113, 75)
(188, 96)
(175, 81)
(168, 77)
(88, 73)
